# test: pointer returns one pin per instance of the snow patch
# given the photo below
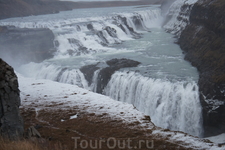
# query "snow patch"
(39, 93)
(217, 139)
(74, 116)
(187, 140)
(42, 93)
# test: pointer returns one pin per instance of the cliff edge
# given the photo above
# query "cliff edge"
(203, 41)
(11, 123)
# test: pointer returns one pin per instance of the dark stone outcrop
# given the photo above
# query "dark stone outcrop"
(19, 46)
(138, 22)
(113, 65)
(88, 72)
(121, 22)
(81, 48)
(111, 31)
(203, 40)
(106, 71)
(11, 123)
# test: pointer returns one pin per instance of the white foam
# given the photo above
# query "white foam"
(172, 105)
(178, 18)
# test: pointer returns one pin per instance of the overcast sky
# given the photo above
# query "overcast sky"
(98, 0)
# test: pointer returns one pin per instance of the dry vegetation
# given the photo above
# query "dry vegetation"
(18, 145)
(57, 130)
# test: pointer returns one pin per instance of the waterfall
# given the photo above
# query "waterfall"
(94, 83)
(90, 35)
(55, 73)
(171, 105)
(177, 16)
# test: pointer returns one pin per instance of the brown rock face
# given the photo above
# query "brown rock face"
(11, 123)
(203, 40)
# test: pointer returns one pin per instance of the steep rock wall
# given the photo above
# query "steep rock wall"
(11, 123)
(203, 40)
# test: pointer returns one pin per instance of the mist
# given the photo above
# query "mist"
(166, 5)
(20, 46)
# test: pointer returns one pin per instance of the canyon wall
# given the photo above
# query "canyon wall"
(11, 122)
(203, 41)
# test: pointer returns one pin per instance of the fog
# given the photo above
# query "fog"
(166, 5)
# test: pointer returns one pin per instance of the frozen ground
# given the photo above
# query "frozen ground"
(218, 139)
(41, 93)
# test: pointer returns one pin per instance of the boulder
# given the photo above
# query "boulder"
(106, 71)
(113, 65)
(88, 72)
(11, 123)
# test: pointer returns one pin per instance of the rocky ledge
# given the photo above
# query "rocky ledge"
(11, 123)
(203, 40)
(106, 71)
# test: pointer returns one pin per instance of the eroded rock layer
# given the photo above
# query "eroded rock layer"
(203, 40)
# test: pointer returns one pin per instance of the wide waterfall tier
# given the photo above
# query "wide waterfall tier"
(171, 105)
(89, 31)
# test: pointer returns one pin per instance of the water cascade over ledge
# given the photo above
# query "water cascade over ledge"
(171, 105)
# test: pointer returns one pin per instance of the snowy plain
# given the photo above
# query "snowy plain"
(39, 93)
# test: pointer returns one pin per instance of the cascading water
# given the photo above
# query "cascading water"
(177, 16)
(172, 105)
(91, 34)
(163, 86)
(55, 73)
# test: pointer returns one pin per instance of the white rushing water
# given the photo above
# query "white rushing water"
(163, 86)
(172, 105)
(178, 15)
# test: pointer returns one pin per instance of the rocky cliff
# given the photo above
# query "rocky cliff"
(106, 71)
(11, 123)
(203, 41)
